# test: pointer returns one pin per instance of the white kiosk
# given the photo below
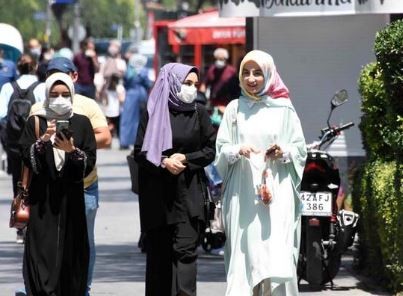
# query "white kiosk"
(319, 47)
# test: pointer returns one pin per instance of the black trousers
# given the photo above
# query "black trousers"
(14, 167)
(171, 259)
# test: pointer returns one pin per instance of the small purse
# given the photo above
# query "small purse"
(19, 212)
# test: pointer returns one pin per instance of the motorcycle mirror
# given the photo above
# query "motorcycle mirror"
(339, 98)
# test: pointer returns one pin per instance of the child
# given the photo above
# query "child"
(115, 94)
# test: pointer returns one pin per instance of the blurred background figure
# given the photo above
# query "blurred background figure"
(137, 84)
(115, 97)
(35, 48)
(47, 54)
(113, 65)
(8, 70)
(220, 85)
(64, 52)
(87, 65)
(9, 136)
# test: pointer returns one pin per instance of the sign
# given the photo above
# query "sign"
(206, 36)
(287, 8)
(316, 204)
(81, 32)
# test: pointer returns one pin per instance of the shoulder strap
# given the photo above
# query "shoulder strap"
(30, 90)
(16, 90)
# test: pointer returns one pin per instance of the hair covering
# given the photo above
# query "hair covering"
(221, 52)
(45, 111)
(49, 114)
(136, 63)
(163, 96)
(273, 87)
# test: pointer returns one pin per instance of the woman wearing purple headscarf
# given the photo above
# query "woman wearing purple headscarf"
(175, 141)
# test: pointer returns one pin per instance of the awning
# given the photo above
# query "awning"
(10, 42)
(207, 28)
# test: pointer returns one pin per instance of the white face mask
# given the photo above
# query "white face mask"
(60, 105)
(219, 64)
(188, 93)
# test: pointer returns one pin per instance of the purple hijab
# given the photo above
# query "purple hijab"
(163, 96)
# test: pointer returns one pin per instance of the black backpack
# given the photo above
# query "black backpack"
(19, 108)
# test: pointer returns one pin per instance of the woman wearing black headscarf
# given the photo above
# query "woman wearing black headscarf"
(175, 141)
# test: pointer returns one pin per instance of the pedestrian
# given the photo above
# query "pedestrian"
(221, 84)
(113, 65)
(261, 156)
(56, 252)
(137, 84)
(8, 69)
(86, 61)
(89, 108)
(115, 97)
(26, 66)
(175, 141)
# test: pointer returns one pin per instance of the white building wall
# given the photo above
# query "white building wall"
(316, 56)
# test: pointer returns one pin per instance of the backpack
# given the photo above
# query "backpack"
(18, 111)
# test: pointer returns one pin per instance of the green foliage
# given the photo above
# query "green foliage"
(378, 190)
(379, 203)
(20, 14)
(374, 107)
(389, 54)
(98, 16)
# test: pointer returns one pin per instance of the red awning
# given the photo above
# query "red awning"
(207, 28)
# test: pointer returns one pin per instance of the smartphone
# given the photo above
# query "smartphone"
(63, 126)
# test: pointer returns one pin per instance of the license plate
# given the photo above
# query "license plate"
(316, 203)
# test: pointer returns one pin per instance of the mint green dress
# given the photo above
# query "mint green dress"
(262, 240)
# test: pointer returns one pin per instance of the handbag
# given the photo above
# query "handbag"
(19, 212)
(134, 172)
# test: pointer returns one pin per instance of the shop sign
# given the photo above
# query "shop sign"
(291, 8)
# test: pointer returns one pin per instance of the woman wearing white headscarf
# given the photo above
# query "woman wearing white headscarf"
(260, 156)
(56, 248)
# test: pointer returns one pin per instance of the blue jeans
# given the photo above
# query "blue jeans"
(91, 207)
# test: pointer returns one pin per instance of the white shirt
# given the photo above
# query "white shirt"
(23, 82)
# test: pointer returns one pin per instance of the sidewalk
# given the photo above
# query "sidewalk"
(120, 266)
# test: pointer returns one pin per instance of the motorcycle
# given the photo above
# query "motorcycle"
(326, 232)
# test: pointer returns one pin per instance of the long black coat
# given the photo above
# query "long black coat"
(56, 247)
(165, 198)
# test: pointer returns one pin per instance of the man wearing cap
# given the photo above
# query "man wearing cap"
(88, 107)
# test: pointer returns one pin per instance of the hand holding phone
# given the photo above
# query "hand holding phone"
(62, 126)
(271, 150)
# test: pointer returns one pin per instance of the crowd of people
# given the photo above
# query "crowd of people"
(256, 143)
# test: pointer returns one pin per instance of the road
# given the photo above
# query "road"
(120, 265)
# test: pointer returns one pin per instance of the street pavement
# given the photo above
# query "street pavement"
(120, 266)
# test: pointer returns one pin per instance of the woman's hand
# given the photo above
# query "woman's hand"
(274, 152)
(173, 165)
(49, 131)
(179, 156)
(247, 150)
(64, 144)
